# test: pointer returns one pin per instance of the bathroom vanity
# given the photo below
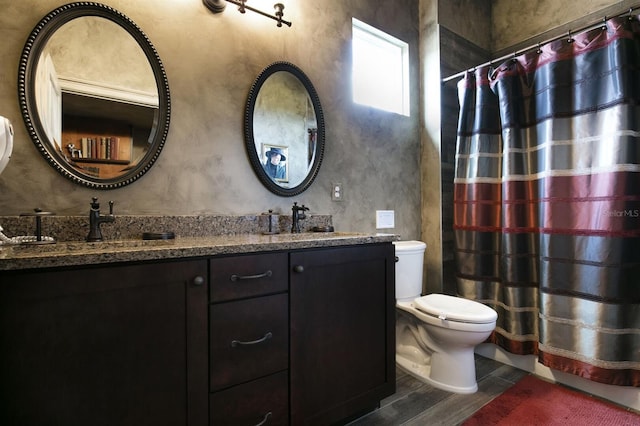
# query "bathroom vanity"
(283, 329)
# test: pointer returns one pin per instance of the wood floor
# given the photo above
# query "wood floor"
(417, 404)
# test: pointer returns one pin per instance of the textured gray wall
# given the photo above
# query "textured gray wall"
(211, 62)
(470, 19)
(514, 21)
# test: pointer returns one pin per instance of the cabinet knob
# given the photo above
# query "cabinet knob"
(199, 280)
(298, 268)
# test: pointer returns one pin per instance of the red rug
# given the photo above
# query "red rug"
(532, 401)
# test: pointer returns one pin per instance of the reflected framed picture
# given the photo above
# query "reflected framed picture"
(274, 160)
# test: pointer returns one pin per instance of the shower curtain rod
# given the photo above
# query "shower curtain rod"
(588, 27)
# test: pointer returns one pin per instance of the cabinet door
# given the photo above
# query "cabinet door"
(342, 332)
(118, 345)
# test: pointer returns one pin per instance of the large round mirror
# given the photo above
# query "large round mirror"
(94, 95)
(284, 129)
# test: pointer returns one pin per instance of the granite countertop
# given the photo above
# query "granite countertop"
(77, 253)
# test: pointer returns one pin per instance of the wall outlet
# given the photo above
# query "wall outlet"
(385, 219)
(337, 191)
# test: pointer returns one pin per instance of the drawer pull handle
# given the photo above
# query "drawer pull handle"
(265, 419)
(235, 277)
(266, 337)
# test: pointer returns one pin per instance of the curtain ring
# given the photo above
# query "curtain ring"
(604, 23)
(539, 49)
(630, 17)
(569, 38)
(492, 71)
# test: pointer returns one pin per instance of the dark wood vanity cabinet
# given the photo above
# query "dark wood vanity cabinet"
(285, 338)
(110, 345)
(342, 332)
(318, 335)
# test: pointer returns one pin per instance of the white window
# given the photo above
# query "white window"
(380, 74)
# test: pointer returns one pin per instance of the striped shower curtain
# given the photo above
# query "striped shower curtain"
(547, 201)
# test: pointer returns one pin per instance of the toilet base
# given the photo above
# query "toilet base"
(422, 372)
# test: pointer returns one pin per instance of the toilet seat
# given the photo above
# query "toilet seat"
(456, 309)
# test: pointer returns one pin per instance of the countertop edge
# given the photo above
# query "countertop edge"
(68, 254)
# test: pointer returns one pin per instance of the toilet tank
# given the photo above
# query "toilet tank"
(410, 256)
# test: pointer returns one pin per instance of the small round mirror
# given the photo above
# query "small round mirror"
(94, 95)
(284, 129)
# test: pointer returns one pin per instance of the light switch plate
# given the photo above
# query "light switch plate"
(385, 219)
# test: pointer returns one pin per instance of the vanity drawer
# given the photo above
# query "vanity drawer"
(247, 276)
(248, 339)
(251, 403)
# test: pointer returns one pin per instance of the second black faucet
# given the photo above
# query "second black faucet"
(95, 219)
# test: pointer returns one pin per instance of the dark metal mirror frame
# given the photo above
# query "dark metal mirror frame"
(249, 135)
(26, 93)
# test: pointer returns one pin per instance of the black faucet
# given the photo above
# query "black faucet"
(95, 219)
(298, 215)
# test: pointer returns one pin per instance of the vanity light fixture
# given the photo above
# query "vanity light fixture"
(217, 6)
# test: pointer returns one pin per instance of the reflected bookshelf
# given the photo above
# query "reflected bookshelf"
(94, 140)
(103, 149)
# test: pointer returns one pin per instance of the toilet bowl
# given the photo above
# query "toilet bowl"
(437, 333)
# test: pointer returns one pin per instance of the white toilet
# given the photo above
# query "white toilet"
(436, 334)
